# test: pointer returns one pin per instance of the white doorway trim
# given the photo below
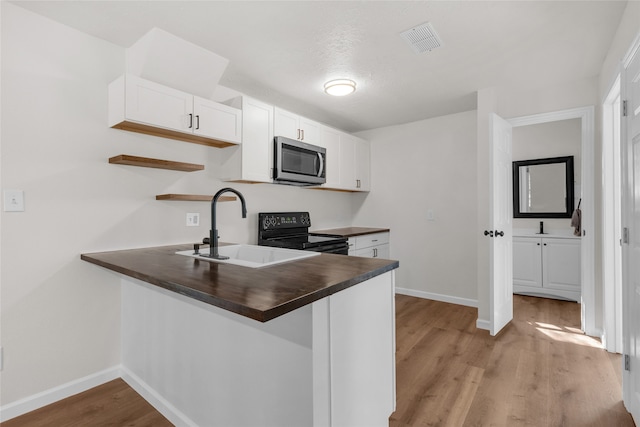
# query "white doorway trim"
(586, 115)
(611, 221)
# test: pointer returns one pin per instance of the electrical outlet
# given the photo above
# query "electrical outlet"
(193, 219)
(13, 201)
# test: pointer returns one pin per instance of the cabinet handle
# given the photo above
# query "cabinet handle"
(298, 133)
(190, 120)
(198, 122)
(374, 240)
(488, 233)
(357, 183)
(375, 252)
(499, 233)
(538, 244)
(302, 133)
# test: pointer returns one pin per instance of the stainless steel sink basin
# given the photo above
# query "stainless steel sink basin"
(252, 256)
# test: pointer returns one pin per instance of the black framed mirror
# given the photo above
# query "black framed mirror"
(543, 188)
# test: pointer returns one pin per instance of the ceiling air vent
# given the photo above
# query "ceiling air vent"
(422, 38)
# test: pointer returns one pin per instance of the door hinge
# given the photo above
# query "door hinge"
(625, 235)
(627, 363)
(624, 108)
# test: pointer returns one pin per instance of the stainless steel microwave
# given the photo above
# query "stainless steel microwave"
(298, 163)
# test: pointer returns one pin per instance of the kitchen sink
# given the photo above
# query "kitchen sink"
(252, 256)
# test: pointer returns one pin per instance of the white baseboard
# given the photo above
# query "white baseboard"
(483, 324)
(38, 400)
(438, 297)
(162, 405)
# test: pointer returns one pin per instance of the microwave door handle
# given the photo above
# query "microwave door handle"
(321, 168)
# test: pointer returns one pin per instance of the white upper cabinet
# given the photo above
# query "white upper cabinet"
(140, 105)
(296, 127)
(330, 139)
(253, 159)
(215, 120)
(347, 160)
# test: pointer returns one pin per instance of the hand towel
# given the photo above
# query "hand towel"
(576, 222)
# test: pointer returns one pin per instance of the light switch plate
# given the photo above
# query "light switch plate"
(13, 201)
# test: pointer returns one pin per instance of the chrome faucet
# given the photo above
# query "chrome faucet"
(213, 233)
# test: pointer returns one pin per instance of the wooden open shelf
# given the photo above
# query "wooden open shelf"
(146, 162)
(193, 197)
(172, 134)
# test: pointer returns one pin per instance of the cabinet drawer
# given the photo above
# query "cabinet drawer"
(369, 240)
(381, 251)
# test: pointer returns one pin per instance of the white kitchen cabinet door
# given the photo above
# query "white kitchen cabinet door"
(296, 127)
(527, 262)
(330, 140)
(561, 264)
(310, 131)
(218, 121)
(252, 160)
(363, 165)
(152, 103)
(286, 124)
(348, 162)
(374, 245)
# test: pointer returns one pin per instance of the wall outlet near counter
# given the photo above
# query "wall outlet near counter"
(193, 219)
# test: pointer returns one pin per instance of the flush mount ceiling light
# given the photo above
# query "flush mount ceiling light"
(340, 87)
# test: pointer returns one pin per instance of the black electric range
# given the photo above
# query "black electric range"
(291, 230)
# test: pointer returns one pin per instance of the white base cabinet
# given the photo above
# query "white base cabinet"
(140, 105)
(330, 363)
(370, 245)
(547, 266)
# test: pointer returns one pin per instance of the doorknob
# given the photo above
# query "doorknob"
(488, 233)
(499, 233)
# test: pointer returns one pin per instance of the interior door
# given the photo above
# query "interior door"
(501, 215)
(631, 236)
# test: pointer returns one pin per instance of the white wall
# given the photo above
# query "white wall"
(417, 167)
(543, 140)
(59, 315)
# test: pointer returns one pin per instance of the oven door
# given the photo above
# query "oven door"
(297, 162)
(338, 248)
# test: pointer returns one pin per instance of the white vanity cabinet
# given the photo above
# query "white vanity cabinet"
(296, 127)
(252, 160)
(547, 266)
(140, 105)
(370, 245)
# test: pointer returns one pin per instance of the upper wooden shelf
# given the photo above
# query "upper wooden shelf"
(193, 197)
(172, 134)
(145, 162)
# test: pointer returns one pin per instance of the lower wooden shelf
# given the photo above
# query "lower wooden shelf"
(193, 197)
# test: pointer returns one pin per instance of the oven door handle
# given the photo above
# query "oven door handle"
(321, 168)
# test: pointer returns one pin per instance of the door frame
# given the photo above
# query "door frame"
(612, 338)
(586, 116)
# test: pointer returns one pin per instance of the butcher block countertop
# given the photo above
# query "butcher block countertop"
(352, 231)
(258, 293)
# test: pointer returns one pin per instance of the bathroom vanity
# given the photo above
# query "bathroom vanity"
(547, 265)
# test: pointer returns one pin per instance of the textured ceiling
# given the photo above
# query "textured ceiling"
(283, 52)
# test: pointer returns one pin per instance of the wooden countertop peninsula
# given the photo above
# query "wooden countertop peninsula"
(258, 293)
(352, 231)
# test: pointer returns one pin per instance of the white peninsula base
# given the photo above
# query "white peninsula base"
(329, 363)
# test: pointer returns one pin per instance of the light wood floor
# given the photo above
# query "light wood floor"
(539, 371)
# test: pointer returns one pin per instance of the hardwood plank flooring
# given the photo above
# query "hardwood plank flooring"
(110, 404)
(539, 371)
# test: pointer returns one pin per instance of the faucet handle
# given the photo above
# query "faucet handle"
(196, 248)
(206, 241)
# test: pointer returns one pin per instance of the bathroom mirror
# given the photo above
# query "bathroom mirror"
(543, 188)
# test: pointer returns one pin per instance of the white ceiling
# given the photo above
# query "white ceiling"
(283, 52)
